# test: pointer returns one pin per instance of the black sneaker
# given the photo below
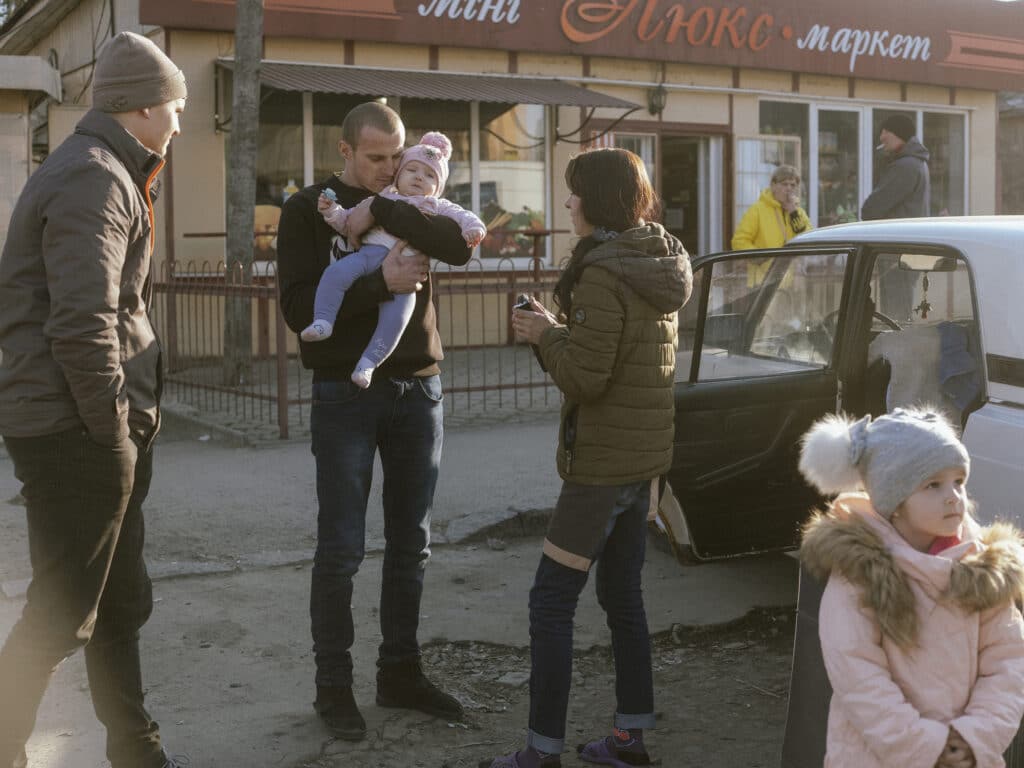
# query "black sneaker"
(337, 708)
(404, 686)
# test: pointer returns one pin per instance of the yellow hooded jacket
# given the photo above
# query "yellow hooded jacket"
(766, 225)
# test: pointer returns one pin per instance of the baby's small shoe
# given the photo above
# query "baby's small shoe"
(318, 330)
(362, 377)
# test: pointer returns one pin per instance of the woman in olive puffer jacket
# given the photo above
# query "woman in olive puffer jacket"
(612, 354)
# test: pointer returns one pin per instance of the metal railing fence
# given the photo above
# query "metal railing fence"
(484, 370)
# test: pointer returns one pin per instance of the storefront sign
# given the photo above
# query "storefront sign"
(979, 43)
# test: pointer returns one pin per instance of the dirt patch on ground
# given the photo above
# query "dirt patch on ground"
(720, 696)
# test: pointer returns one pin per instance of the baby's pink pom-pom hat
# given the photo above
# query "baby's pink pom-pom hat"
(434, 150)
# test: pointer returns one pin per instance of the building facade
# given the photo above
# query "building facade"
(712, 95)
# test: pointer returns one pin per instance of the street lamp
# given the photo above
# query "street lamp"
(656, 99)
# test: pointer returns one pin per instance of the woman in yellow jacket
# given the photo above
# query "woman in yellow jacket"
(772, 221)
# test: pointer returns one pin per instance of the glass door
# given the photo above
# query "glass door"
(839, 168)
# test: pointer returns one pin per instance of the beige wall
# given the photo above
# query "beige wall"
(982, 148)
(62, 121)
(15, 153)
(198, 154)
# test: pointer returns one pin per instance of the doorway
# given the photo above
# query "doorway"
(691, 192)
(680, 189)
(687, 175)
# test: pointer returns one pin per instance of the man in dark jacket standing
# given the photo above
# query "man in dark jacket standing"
(903, 192)
(399, 415)
(79, 399)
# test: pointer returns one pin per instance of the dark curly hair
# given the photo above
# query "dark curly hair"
(615, 195)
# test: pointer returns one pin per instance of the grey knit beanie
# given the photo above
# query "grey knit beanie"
(132, 72)
(889, 457)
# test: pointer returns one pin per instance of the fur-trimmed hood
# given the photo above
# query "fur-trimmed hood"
(985, 571)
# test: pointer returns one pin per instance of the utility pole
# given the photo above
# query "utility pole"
(241, 189)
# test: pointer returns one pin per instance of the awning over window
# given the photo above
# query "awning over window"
(317, 78)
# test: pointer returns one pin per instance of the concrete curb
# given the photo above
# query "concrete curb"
(506, 525)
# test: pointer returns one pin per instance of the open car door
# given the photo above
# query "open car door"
(756, 366)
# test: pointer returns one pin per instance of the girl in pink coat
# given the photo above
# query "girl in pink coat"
(922, 640)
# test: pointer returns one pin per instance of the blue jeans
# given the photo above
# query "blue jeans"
(401, 418)
(89, 588)
(553, 598)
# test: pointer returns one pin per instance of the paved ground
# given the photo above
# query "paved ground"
(227, 657)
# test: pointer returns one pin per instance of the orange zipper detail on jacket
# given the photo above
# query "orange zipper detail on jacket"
(149, 206)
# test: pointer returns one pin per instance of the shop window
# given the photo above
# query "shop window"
(944, 137)
(1011, 155)
(512, 178)
(782, 118)
(279, 154)
(838, 166)
(512, 148)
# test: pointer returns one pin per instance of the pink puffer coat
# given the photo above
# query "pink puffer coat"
(915, 643)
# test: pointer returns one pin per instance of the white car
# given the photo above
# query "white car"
(860, 318)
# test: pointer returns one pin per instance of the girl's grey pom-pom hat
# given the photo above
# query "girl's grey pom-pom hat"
(889, 457)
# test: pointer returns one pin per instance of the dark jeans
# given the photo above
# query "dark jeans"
(89, 588)
(401, 418)
(553, 598)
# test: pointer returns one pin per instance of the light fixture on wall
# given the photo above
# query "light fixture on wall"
(656, 99)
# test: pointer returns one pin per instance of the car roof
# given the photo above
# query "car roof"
(965, 233)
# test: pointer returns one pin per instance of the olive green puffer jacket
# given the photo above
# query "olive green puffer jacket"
(615, 360)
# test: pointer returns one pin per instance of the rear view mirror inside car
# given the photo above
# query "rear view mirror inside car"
(927, 262)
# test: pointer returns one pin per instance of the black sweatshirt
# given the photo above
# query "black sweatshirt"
(303, 252)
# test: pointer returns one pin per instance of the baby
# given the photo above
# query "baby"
(422, 173)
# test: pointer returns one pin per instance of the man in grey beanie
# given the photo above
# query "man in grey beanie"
(80, 381)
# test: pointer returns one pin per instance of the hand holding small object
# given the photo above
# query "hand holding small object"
(530, 321)
(326, 200)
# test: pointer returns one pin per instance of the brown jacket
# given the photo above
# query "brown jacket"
(78, 347)
(615, 361)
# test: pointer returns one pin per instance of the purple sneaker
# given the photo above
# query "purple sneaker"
(603, 753)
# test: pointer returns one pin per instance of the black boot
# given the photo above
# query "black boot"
(404, 686)
(337, 708)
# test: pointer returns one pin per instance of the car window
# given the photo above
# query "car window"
(924, 331)
(764, 316)
(918, 289)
